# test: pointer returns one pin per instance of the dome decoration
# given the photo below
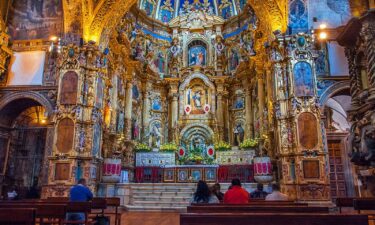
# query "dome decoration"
(166, 10)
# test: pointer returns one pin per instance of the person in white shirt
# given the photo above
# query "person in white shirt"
(276, 195)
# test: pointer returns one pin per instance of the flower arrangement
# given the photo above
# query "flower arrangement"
(169, 147)
(140, 147)
(249, 143)
(222, 146)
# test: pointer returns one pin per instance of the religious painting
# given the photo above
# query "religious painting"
(210, 174)
(239, 102)
(196, 174)
(62, 171)
(303, 79)
(321, 63)
(35, 19)
(135, 92)
(311, 169)
(169, 175)
(65, 135)
(308, 130)
(298, 16)
(197, 97)
(226, 8)
(166, 10)
(99, 93)
(182, 175)
(197, 56)
(96, 139)
(234, 59)
(69, 86)
(156, 104)
(149, 7)
(159, 62)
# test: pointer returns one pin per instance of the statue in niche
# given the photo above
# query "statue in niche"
(234, 60)
(220, 52)
(239, 134)
(135, 130)
(197, 99)
(155, 135)
(175, 54)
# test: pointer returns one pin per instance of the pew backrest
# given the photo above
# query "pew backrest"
(256, 209)
(364, 204)
(19, 216)
(268, 218)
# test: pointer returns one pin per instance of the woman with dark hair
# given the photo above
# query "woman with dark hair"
(203, 194)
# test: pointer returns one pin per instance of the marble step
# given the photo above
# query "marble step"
(162, 199)
(166, 193)
(155, 208)
(161, 204)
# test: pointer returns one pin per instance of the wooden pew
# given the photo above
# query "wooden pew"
(255, 209)
(364, 204)
(45, 213)
(344, 202)
(274, 203)
(114, 202)
(270, 219)
(19, 216)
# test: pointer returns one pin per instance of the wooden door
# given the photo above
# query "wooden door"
(337, 173)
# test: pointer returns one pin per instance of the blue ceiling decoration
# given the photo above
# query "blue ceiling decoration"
(166, 10)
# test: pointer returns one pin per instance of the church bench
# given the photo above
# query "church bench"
(17, 216)
(344, 202)
(45, 213)
(364, 204)
(256, 209)
(114, 203)
(271, 218)
(276, 203)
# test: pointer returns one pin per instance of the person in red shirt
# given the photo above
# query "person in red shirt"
(236, 194)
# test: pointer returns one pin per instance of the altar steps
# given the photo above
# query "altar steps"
(163, 196)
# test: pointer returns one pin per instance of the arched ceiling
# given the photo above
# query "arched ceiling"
(98, 18)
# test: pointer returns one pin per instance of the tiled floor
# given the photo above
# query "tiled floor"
(150, 218)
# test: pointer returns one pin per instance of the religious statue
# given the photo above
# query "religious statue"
(247, 44)
(175, 54)
(155, 135)
(197, 99)
(238, 135)
(220, 52)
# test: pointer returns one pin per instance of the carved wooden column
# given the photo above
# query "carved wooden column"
(261, 103)
(354, 77)
(146, 107)
(368, 35)
(128, 109)
(173, 97)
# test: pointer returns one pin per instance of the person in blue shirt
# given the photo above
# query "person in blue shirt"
(79, 193)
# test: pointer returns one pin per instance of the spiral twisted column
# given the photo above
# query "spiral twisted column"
(368, 35)
(353, 73)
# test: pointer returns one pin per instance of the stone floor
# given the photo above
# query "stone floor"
(150, 218)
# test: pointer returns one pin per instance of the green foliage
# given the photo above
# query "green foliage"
(141, 147)
(222, 146)
(249, 143)
(169, 147)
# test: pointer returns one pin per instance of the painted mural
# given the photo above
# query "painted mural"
(197, 56)
(166, 10)
(298, 16)
(226, 9)
(35, 19)
(303, 78)
(149, 7)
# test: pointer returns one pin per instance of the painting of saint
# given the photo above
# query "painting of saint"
(160, 62)
(239, 104)
(298, 16)
(197, 56)
(303, 79)
(97, 136)
(156, 104)
(149, 8)
(135, 92)
(234, 60)
(99, 94)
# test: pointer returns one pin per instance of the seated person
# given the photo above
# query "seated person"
(276, 195)
(79, 193)
(259, 193)
(236, 194)
(215, 189)
(203, 194)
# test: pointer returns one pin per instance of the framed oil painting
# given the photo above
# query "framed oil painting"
(303, 79)
(197, 174)
(311, 169)
(169, 175)
(197, 56)
(210, 174)
(182, 175)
